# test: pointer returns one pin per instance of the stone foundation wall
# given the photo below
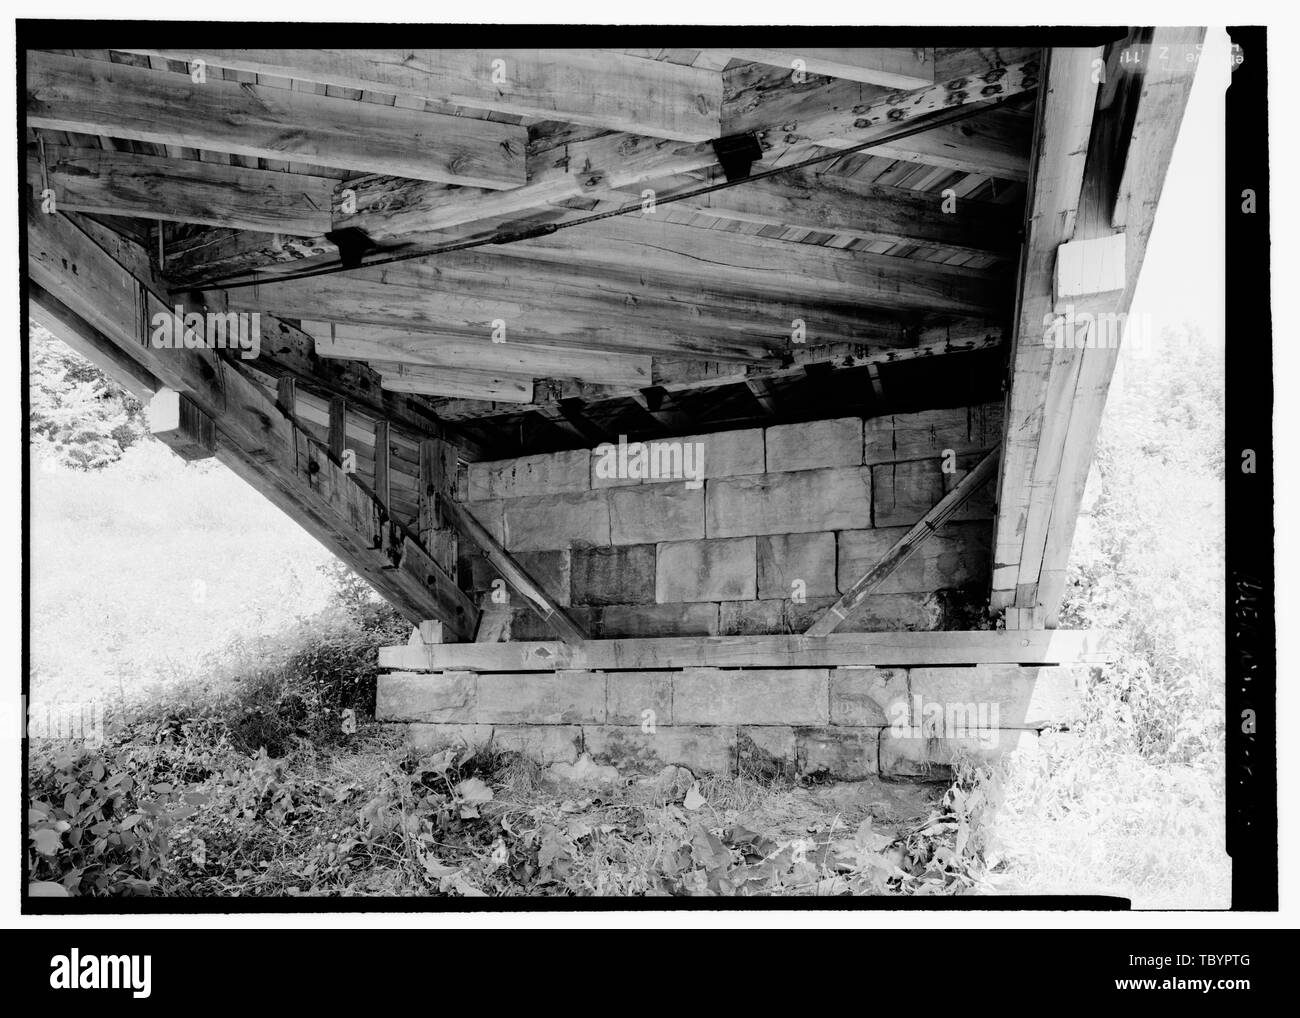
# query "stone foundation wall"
(844, 723)
(784, 520)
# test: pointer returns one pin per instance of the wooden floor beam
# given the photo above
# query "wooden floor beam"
(137, 103)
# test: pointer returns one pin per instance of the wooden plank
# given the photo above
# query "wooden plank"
(436, 487)
(550, 304)
(374, 343)
(945, 509)
(597, 88)
(215, 194)
(833, 203)
(286, 396)
(453, 382)
(92, 97)
(889, 68)
(1059, 646)
(338, 428)
(253, 435)
(383, 469)
(994, 144)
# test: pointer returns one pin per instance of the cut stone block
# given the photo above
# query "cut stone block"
(722, 454)
(650, 513)
(432, 737)
(799, 502)
(879, 613)
(766, 751)
(784, 559)
(896, 437)
(416, 696)
(549, 474)
(551, 570)
(543, 743)
(548, 568)
(705, 570)
(813, 444)
(954, 557)
(491, 514)
(549, 522)
(919, 758)
(541, 698)
(758, 696)
(702, 749)
(869, 697)
(904, 492)
(526, 625)
(618, 620)
(996, 696)
(844, 754)
(980, 506)
(614, 575)
(630, 695)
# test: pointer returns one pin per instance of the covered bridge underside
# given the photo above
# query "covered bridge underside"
(696, 405)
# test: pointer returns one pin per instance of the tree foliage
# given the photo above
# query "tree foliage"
(78, 416)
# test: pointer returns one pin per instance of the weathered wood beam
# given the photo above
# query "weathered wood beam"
(922, 531)
(511, 571)
(889, 68)
(595, 88)
(1059, 646)
(436, 487)
(121, 101)
(252, 433)
(1131, 207)
(373, 343)
(68, 327)
(831, 203)
(185, 191)
(619, 311)
(1059, 389)
(837, 115)
(454, 382)
(993, 144)
(383, 469)
(675, 382)
(1063, 125)
(791, 129)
